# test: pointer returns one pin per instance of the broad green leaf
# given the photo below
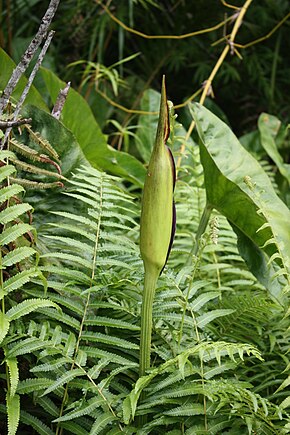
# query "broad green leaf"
(256, 261)
(237, 186)
(78, 117)
(13, 413)
(7, 67)
(269, 126)
(4, 325)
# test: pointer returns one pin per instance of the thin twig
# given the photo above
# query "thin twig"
(146, 36)
(61, 99)
(29, 53)
(262, 38)
(16, 123)
(28, 85)
(208, 83)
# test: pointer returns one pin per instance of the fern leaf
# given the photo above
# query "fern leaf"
(35, 423)
(70, 258)
(113, 323)
(206, 318)
(13, 413)
(33, 384)
(17, 255)
(6, 171)
(61, 317)
(87, 408)
(69, 303)
(10, 191)
(186, 410)
(100, 353)
(11, 234)
(202, 299)
(6, 154)
(108, 339)
(75, 229)
(13, 375)
(28, 345)
(73, 243)
(64, 379)
(72, 275)
(51, 366)
(77, 218)
(17, 281)
(11, 213)
(74, 428)
(101, 422)
(4, 326)
(27, 306)
(48, 405)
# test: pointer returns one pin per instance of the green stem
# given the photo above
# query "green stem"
(201, 228)
(150, 280)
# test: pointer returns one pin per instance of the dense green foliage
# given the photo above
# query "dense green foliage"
(71, 276)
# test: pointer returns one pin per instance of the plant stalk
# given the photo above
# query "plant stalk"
(150, 280)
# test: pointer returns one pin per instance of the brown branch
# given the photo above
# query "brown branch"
(208, 83)
(16, 123)
(146, 36)
(29, 53)
(268, 35)
(61, 99)
(28, 85)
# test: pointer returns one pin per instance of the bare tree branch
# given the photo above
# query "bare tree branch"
(28, 85)
(29, 53)
(10, 123)
(61, 98)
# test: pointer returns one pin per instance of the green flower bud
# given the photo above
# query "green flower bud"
(158, 212)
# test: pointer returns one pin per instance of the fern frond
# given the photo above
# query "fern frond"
(8, 192)
(101, 422)
(13, 413)
(112, 323)
(86, 408)
(17, 255)
(27, 306)
(12, 365)
(4, 325)
(108, 339)
(35, 423)
(18, 280)
(11, 234)
(26, 346)
(64, 379)
(6, 171)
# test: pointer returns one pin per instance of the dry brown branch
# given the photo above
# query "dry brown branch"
(29, 53)
(61, 99)
(10, 123)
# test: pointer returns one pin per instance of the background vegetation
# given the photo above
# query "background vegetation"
(71, 273)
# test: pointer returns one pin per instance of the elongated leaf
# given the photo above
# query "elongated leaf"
(9, 191)
(268, 126)
(13, 413)
(17, 255)
(64, 379)
(12, 365)
(17, 281)
(101, 422)
(78, 117)
(11, 213)
(28, 345)
(4, 325)
(35, 423)
(34, 384)
(27, 307)
(11, 234)
(85, 409)
(5, 171)
(237, 186)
